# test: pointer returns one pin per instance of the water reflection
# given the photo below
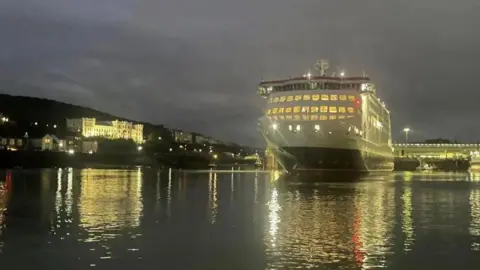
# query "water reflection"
(114, 219)
(109, 200)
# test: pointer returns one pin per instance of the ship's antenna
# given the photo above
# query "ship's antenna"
(322, 66)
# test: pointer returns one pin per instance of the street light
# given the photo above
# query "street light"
(406, 130)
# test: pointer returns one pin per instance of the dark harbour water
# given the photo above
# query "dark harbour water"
(144, 219)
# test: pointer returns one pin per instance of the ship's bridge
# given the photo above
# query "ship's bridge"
(435, 150)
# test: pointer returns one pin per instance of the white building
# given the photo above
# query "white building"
(90, 127)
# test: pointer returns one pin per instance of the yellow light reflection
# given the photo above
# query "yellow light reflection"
(110, 200)
(407, 225)
(474, 228)
(169, 192)
(212, 198)
(58, 194)
(68, 195)
(273, 216)
(374, 223)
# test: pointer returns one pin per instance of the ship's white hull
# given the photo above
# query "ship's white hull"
(330, 147)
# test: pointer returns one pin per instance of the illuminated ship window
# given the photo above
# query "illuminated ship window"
(332, 117)
(341, 110)
(314, 117)
(296, 109)
(270, 100)
(315, 97)
(339, 117)
(282, 99)
(296, 117)
(275, 100)
(350, 110)
(351, 98)
(305, 117)
(306, 97)
(269, 112)
(274, 111)
(288, 117)
(324, 97)
(281, 117)
(343, 97)
(323, 108)
(314, 109)
(305, 109)
(290, 98)
(297, 98)
(332, 109)
(323, 117)
(288, 110)
(333, 97)
(280, 110)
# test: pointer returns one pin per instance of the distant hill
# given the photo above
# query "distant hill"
(27, 110)
(21, 109)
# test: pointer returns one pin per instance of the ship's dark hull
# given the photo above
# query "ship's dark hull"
(332, 159)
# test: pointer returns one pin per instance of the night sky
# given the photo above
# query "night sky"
(194, 64)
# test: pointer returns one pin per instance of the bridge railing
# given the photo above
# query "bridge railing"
(437, 145)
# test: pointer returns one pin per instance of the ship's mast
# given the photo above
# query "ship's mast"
(322, 66)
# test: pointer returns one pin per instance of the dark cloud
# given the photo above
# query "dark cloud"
(195, 64)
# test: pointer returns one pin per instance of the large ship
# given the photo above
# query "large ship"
(330, 122)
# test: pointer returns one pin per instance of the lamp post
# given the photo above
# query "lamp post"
(406, 130)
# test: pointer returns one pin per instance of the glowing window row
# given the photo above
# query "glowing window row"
(307, 117)
(311, 109)
(311, 97)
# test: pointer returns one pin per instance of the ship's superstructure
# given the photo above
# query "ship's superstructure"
(331, 122)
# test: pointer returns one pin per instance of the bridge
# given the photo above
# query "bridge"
(435, 150)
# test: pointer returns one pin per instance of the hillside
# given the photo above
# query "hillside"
(27, 110)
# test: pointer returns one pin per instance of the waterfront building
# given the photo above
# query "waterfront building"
(90, 127)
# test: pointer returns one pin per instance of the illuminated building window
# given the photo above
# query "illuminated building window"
(332, 109)
(333, 97)
(288, 110)
(275, 100)
(305, 117)
(280, 110)
(288, 117)
(323, 109)
(350, 110)
(343, 97)
(274, 117)
(351, 98)
(305, 109)
(315, 97)
(314, 117)
(323, 117)
(306, 97)
(350, 116)
(341, 117)
(324, 97)
(290, 98)
(297, 98)
(341, 109)
(281, 117)
(270, 100)
(296, 109)
(282, 99)
(332, 117)
(314, 109)
(296, 117)
(274, 110)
